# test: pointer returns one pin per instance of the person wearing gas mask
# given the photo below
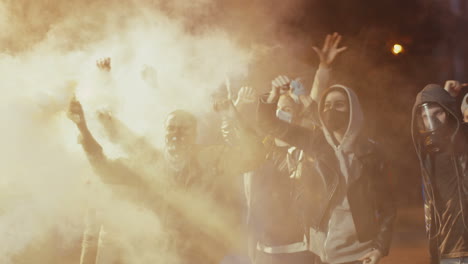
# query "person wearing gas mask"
(184, 175)
(342, 189)
(440, 140)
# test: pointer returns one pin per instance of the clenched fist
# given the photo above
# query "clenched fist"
(75, 112)
(104, 64)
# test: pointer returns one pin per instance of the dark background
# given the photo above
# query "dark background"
(433, 33)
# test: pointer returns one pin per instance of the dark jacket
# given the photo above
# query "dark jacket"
(186, 198)
(458, 148)
(271, 215)
(368, 191)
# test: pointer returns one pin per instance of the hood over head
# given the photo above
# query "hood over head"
(434, 93)
(356, 118)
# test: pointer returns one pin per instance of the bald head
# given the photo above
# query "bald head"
(181, 131)
(181, 117)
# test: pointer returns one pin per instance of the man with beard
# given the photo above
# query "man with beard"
(440, 139)
(186, 183)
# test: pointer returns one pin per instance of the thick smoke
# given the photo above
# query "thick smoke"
(49, 52)
(165, 54)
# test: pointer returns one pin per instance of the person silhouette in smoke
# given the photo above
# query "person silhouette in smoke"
(441, 142)
(276, 233)
(185, 183)
(342, 189)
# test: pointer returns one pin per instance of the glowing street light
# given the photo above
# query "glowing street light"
(397, 49)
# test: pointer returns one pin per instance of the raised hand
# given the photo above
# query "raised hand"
(296, 90)
(329, 50)
(75, 112)
(280, 84)
(104, 64)
(453, 87)
(246, 95)
(106, 119)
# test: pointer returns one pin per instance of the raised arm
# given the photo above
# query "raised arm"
(246, 95)
(110, 171)
(327, 55)
(104, 64)
(243, 149)
(279, 86)
(303, 138)
(137, 147)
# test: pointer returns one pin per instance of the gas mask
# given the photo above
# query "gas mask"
(335, 120)
(434, 127)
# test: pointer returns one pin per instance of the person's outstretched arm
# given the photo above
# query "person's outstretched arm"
(137, 147)
(327, 55)
(110, 171)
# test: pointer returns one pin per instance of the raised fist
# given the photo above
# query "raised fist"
(280, 84)
(104, 64)
(246, 95)
(75, 112)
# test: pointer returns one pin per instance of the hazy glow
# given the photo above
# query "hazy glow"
(46, 183)
(397, 49)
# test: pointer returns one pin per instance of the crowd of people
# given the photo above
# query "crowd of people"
(315, 187)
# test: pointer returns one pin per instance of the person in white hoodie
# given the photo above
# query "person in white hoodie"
(343, 191)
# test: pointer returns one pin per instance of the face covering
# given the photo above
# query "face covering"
(285, 116)
(434, 133)
(335, 120)
(435, 141)
(438, 140)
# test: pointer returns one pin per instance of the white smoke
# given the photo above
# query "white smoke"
(44, 174)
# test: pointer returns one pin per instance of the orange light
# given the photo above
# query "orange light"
(397, 49)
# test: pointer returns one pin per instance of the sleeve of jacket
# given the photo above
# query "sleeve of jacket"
(297, 136)
(137, 147)
(429, 219)
(110, 171)
(386, 208)
(321, 81)
(243, 150)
